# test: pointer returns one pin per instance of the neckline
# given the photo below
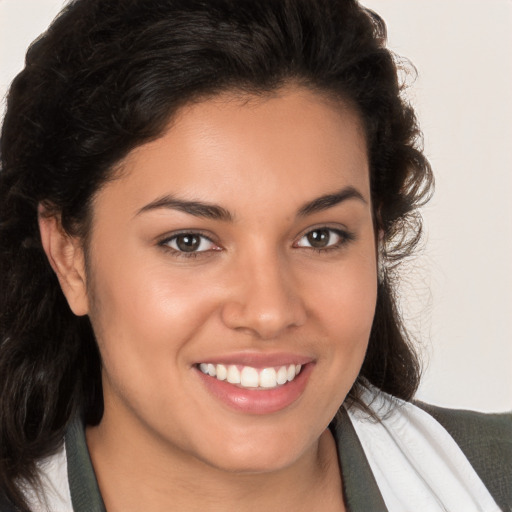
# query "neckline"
(359, 485)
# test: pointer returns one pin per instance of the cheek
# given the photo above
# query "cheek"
(144, 289)
(143, 315)
(350, 325)
(145, 330)
(345, 298)
(343, 307)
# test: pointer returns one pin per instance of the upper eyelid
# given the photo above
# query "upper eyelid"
(337, 229)
(341, 230)
(171, 236)
(332, 230)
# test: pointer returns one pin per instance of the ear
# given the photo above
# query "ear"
(66, 257)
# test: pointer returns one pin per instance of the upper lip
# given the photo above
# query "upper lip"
(258, 359)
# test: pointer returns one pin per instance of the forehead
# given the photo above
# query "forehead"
(294, 144)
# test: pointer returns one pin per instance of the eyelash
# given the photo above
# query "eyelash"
(346, 237)
(183, 254)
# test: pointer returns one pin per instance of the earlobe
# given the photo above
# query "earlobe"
(66, 257)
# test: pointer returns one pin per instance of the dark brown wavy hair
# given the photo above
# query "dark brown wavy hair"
(105, 78)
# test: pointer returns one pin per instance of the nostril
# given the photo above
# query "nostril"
(264, 319)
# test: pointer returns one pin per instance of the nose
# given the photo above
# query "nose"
(265, 299)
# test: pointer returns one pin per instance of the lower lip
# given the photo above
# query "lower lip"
(258, 401)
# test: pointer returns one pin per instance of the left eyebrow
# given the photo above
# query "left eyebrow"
(329, 200)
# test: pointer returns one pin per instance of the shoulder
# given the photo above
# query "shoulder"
(477, 431)
(486, 440)
(496, 423)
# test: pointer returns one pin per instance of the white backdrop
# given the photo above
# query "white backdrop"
(457, 295)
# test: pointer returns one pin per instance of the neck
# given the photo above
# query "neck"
(144, 476)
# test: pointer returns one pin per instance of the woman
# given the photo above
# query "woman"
(202, 209)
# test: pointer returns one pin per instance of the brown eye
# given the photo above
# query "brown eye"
(190, 243)
(324, 238)
(319, 238)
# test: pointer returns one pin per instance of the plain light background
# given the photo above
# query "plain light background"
(457, 293)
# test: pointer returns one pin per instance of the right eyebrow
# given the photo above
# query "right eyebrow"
(195, 208)
(330, 200)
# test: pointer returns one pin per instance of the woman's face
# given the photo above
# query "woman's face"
(241, 241)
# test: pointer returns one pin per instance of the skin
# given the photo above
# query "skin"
(165, 443)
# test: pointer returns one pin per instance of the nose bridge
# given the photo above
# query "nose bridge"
(267, 300)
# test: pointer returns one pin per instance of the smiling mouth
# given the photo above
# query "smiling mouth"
(252, 378)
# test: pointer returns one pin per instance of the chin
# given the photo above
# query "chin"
(246, 465)
(254, 454)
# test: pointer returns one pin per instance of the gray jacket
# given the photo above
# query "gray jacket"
(485, 439)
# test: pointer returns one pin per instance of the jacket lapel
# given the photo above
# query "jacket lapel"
(359, 486)
(85, 494)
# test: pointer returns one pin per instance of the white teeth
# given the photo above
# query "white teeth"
(268, 378)
(233, 375)
(282, 375)
(249, 377)
(222, 372)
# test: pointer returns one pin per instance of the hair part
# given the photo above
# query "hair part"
(108, 76)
